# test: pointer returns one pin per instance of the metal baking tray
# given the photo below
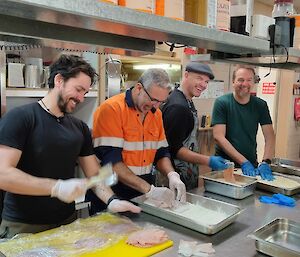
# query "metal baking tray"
(275, 189)
(286, 166)
(279, 238)
(261, 184)
(214, 182)
(230, 210)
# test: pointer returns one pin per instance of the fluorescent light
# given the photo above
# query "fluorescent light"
(161, 66)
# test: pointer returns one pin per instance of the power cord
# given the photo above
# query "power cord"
(274, 60)
(173, 45)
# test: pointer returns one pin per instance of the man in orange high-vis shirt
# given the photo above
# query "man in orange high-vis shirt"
(128, 132)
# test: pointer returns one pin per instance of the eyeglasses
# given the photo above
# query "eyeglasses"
(154, 100)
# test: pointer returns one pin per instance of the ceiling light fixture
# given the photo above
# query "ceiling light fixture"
(174, 67)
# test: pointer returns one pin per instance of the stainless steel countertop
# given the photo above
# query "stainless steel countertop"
(231, 241)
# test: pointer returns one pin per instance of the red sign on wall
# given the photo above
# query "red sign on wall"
(268, 88)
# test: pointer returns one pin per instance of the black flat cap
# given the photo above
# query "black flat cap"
(198, 67)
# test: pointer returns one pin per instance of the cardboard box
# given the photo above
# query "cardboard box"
(170, 8)
(147, 6)
(209, 13)
(115, 2)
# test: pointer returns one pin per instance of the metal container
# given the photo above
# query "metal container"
(231, 212)
(272, 187)
(279, 238)
(286, 166)
(275, 189)
(215, 183)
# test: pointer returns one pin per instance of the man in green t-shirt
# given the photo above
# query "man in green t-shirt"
(235, 121)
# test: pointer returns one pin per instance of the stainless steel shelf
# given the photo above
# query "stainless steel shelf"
(37, 92)
(92, 23)
(288, 58)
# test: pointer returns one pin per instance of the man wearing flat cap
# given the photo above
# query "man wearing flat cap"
(181, 125)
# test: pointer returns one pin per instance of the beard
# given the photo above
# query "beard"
(63, 105)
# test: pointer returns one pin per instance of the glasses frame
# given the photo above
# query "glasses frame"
(156, 101)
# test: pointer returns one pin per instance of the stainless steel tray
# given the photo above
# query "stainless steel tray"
(279, 238)
(231, 212)
(286, 166)
(213, 182)
(275, 189)
(263, 184)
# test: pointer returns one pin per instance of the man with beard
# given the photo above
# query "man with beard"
(181, 125)
(235, 121)
(128, 132)
(40, 144)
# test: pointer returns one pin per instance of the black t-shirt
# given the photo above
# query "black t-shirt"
(178, 121)
(50, 149)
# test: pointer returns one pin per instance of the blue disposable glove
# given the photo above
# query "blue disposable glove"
(285, 200)
(248, 169)
(218, 163)
(278, 199)
(268, 199)
(265, 171)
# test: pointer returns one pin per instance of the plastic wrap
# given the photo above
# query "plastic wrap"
(75, 239)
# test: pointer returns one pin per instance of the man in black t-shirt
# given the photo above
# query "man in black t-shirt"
(40, 144)
(181, 125)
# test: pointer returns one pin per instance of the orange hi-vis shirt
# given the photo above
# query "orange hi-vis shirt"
(117, 126)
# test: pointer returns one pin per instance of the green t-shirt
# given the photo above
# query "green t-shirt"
(241, 122)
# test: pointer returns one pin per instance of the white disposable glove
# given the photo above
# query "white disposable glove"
(177, 186)
(118, 205)
(161, 194)
(70, 189)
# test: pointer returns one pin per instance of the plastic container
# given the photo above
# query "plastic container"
(283, 8)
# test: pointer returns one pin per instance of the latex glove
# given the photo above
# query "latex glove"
(70, 189)
(278, 199)
(177, 185)
(193, 248)
(118, 205)
(248, 169)
(265, 171)
(217, 163)
(162, 194)
(285, 200)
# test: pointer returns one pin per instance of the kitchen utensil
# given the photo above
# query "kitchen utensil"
(46, 75)
(230, 212)
(239, 189)
(105, 175)
(15, 75)
(279, 238)
(279, 185)
(32, 76)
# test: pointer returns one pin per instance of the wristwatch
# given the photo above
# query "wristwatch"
(268, 161)
(113, 197)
